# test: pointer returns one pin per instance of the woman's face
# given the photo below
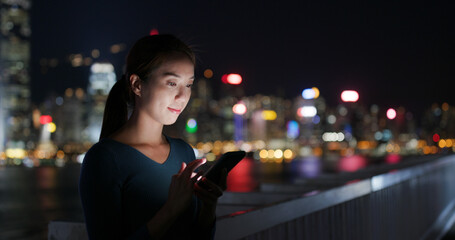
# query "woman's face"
(165, 95)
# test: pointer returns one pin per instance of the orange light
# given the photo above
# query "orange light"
(442, 143)
(316, 92)
(208, 73)
(445, 107)
(363, 145)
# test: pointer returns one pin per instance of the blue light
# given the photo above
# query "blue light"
(386, 135)
(293, 129)
(308, 93)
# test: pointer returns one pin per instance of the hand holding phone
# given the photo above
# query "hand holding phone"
(227, 161)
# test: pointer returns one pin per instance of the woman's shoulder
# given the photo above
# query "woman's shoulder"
(181, 146)
(102, 151)
(178, 142)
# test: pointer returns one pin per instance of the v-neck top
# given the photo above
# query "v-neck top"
(121, 189)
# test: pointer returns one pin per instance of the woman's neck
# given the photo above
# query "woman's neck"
(141, 129)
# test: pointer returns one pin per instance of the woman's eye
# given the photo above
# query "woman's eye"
(189, 85)
(171, 84)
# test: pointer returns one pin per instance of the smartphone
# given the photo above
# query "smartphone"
(228, 161)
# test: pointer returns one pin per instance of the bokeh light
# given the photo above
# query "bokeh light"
(269, 115)
(234, 79)
(308, 93)
(51, 127)
(349, 96)
(292, 129)
(154, 31)
(436, 137)
(208, 73)
(307, 111)
(391, 113)
(352, 163)
(239, 108)
(191, 125)
(45, 119)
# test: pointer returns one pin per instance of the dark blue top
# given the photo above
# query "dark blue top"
(122, 189)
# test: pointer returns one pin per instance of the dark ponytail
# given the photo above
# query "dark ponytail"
(147, 54)
(116, 109)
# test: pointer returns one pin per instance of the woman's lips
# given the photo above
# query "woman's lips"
(176, 111)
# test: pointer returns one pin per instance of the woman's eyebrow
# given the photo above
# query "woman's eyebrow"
(175, 75)
(171, 74)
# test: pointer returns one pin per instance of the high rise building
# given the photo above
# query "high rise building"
(102, 78)
(15, 119)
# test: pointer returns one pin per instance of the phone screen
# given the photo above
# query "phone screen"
(228, 161)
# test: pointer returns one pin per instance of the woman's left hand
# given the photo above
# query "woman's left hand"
(209, 192)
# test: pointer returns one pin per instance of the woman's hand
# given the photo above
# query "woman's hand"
(181, 188)
(179, 199)
(209, 192)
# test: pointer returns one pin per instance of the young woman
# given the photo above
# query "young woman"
(136, 182)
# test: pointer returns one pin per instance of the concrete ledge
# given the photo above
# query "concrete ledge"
(66, 231)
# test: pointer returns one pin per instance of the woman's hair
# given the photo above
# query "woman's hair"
(146, 55)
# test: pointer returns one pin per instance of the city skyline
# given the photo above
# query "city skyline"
(393, 55)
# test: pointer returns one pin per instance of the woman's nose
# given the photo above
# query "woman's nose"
(183, 93)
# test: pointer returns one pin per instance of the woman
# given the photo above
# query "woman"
(136, 182)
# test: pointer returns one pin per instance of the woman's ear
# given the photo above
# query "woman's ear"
(136, 84)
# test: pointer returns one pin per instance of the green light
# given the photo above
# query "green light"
(191, 125)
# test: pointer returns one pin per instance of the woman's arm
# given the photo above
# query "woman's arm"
(179, 199)
(100, 192)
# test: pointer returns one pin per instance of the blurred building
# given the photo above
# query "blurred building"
(69, 117)
(15, 117)
(102, 78)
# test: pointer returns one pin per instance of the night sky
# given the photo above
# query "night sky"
(394, 54)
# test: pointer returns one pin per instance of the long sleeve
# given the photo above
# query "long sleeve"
(100, 187)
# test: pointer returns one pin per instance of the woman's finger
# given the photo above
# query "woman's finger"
(192, 166)
(196, 176)
(182, 168)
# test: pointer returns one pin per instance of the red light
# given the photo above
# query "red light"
(240, 178)
(436, 137)
(234, 79)
(239, 108)
(45, 119)
(393, 158)
(224, 78)
(154, 32)
(391, 113)
(349, 96)
(352, 163)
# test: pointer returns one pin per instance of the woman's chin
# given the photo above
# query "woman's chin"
(169, 122)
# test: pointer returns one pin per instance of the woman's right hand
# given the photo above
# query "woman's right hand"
(181, 188)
